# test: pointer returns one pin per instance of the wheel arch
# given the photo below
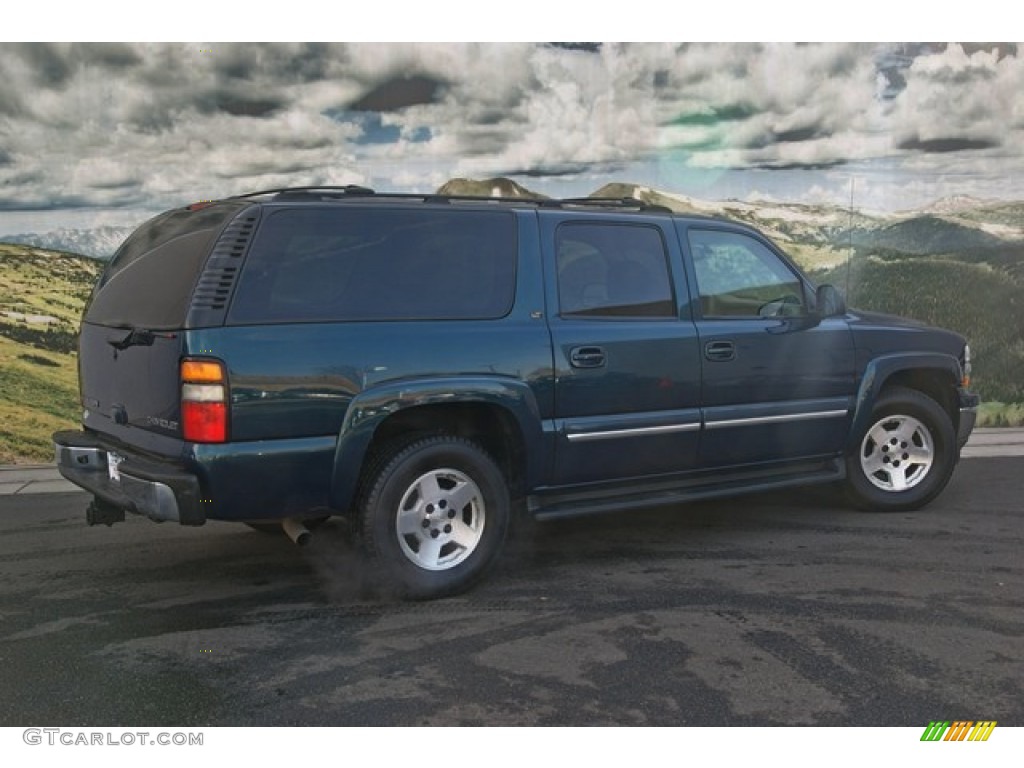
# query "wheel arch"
(935, 375)
(500, 415)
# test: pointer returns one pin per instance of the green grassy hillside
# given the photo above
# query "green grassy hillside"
(983, 302)
(42, 294)
(926, 235)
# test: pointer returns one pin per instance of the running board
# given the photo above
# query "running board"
(561, 505)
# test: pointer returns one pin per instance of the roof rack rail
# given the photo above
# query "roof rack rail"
(540, 202)
(544, 202)
(611, 202)
(433, 197)
(348, 189)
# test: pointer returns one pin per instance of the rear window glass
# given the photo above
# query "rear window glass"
(329, 264)
(149, 281)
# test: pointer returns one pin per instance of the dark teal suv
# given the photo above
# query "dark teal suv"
(431, 366)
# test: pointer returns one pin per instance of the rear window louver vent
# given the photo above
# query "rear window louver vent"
(214, 288)
(236, 236)
(217, 281)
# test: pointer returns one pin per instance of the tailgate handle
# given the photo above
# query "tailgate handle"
(586, 357)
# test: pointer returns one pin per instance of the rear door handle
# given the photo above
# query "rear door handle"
(586, 357)
(720, 351)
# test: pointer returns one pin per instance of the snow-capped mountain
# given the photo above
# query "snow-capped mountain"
(956, 204)
(497, 187)
(99, 243)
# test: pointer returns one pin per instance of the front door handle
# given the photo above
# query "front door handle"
(586, 357)
(720, 351)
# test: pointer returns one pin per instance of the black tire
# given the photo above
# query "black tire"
(434, 516)
(904, 457)
(275, 528)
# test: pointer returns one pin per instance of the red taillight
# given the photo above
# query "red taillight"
(204, 401)
(204, 422)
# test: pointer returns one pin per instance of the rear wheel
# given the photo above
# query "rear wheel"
(906, 455)
(434, 516)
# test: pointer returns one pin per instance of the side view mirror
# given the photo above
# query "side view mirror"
(828, 301)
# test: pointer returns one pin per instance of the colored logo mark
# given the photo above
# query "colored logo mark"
(958, 730)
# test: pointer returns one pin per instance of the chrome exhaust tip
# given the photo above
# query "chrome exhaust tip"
(296, 530)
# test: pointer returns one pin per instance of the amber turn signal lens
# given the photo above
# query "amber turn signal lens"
(201, 371)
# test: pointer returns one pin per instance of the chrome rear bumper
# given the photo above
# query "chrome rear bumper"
(159, 491)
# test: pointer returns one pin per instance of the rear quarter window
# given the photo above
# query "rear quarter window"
(337, 264)
(149, 281)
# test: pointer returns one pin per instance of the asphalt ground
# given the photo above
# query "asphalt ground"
(776, 609)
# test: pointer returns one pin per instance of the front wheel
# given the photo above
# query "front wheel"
(434, 516)
(906, 455)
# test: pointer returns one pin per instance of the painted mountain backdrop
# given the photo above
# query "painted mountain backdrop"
(958, 263)
(98, 243)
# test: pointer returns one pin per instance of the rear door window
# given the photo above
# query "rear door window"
(613, 271)
(359, 263)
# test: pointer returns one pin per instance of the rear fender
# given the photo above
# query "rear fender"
(370, 409)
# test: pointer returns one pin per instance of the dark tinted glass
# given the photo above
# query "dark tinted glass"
(149, 281)
(610, 270)
(359, 263)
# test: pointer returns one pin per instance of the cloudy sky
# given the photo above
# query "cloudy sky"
(106, 133)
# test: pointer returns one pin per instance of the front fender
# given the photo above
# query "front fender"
(880, 369)
(371, 408)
